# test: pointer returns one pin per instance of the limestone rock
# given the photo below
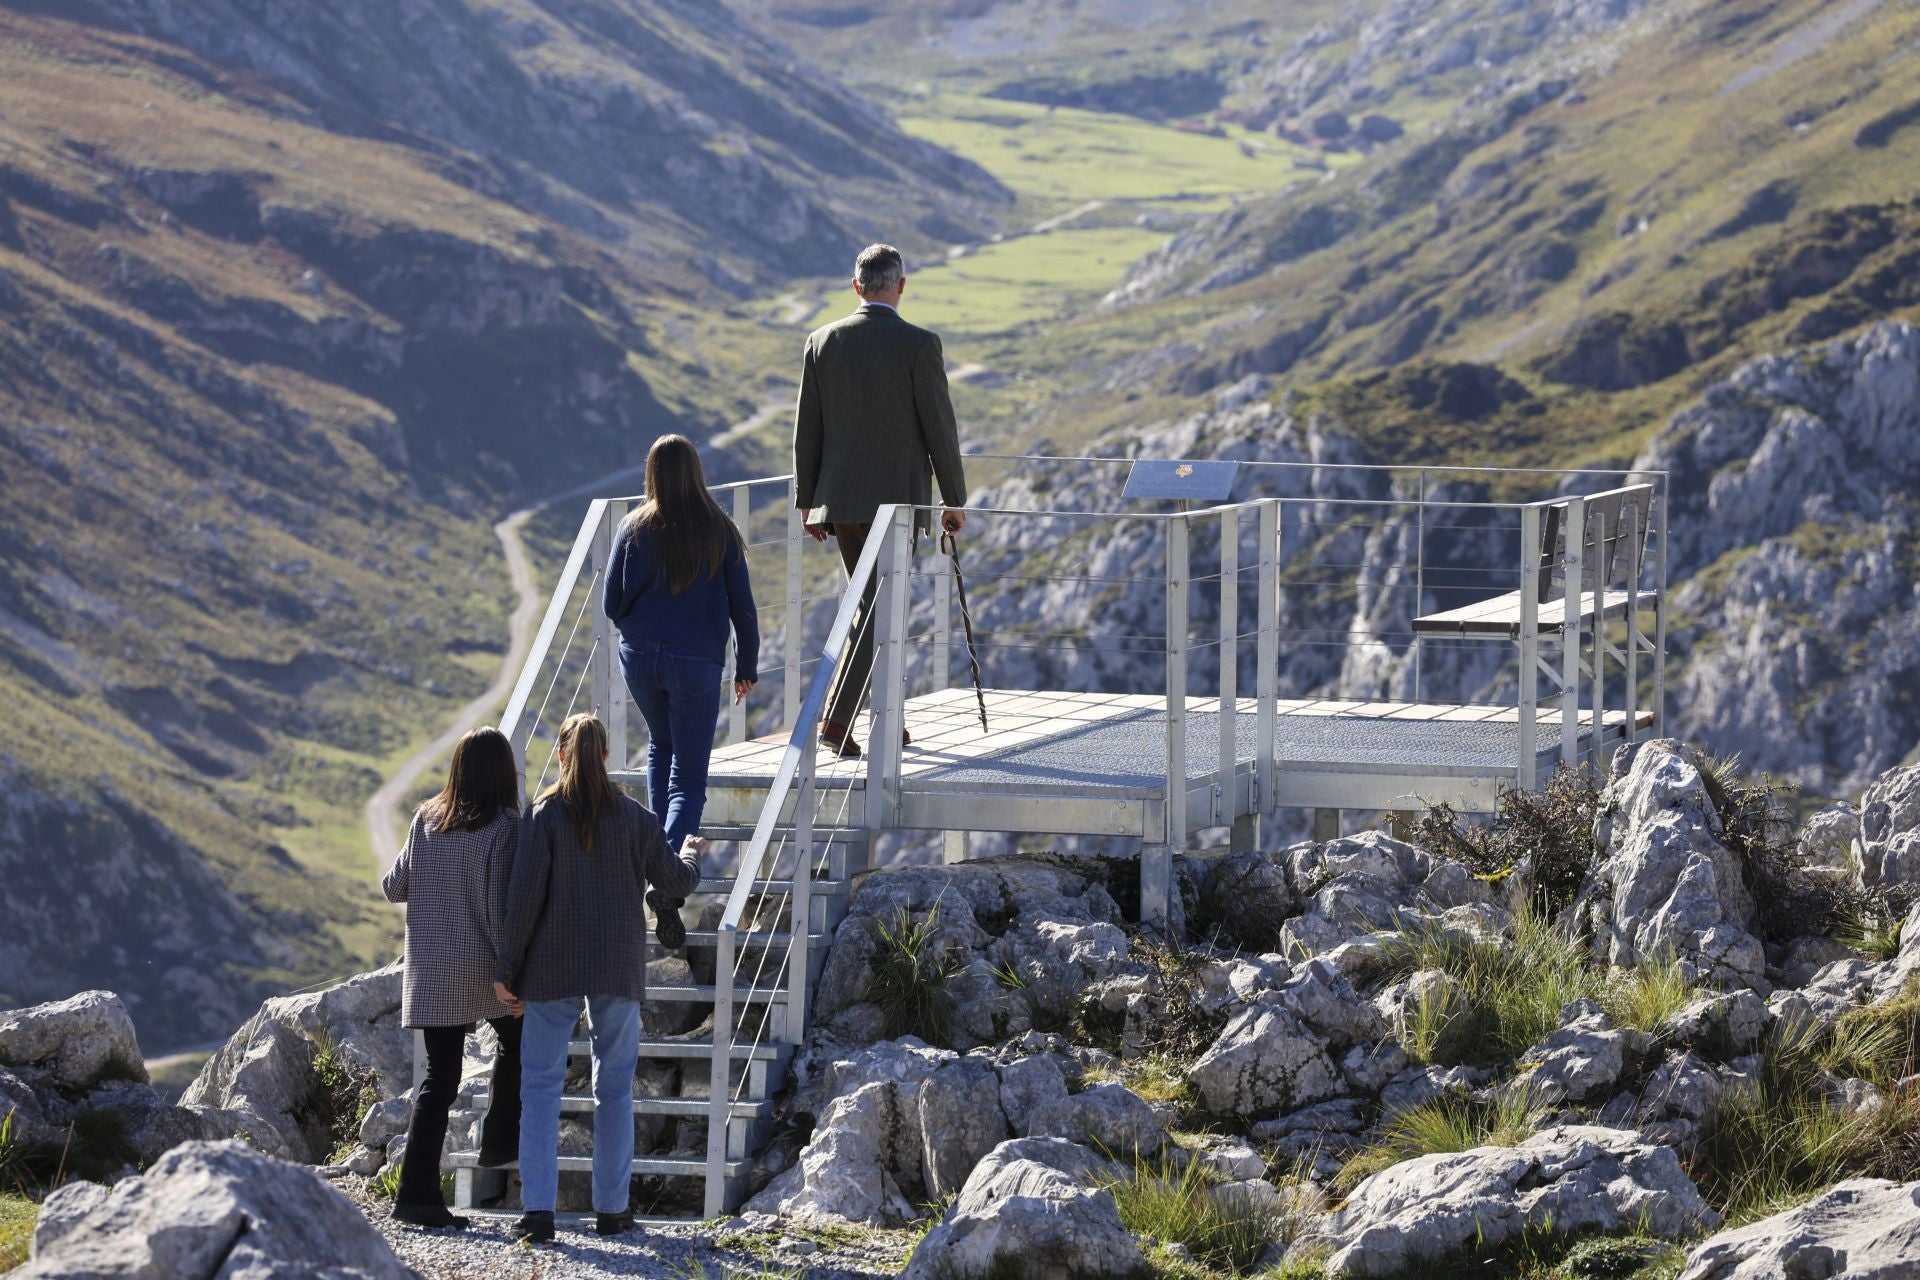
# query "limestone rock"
(1031, 1211)
(1890, 831)
(1829, 837)
(1028, 1084)
(842, 1175)
(77, 1041)
(219, 1207)
(1250, 897)
(1417, 1086)
(1863, 1229)
(960, 1121)
(1568, 1179)
(1580, 1060)
(1363, 884)
(1109, 1117)
(1666, 885)
(1732, 1021)
(64, 1209)
(264, 1072)
(1326, 1002)
(1264, 1061)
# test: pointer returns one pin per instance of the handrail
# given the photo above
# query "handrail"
(728, 487)
(1341, 466)
(556, 609)
(799, 738)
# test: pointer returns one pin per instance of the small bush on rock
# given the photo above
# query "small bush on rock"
(1551, 830)
(339, 1098)
(1511, 993)
(1792, 900)
(1187, 1027)
(909, 980)
(1441, 1126)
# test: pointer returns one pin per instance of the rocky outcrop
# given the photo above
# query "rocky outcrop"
(1265, 1061)
(1866, 1228)
(1567, 1180)
(212, 1208)
(1666, 884)
(1889, 832)
(1581, 1060)
(1032, 1210)
(78, 1042)
(264, 1075)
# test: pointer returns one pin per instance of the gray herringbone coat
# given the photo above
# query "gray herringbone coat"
(455, 886)
(576, 922)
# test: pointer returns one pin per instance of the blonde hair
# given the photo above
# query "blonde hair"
(583, 785)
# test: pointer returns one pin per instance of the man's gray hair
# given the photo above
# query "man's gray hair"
(879, 268)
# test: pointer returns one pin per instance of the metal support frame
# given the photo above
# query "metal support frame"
(1419, 577)
(1529, 642)
(720, 1078)
(1635, 535)
(889, 691)
(1229, 759)
(800, 912)
(1597, 575)
(1659, 505)
(796, 612)
(737, 710)
(1573, 604)
(618, 700)
(1267, 656)
(1156, 859)
(942, 575)
(604, 657)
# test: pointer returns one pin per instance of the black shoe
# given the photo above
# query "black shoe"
(431, 1216)
(534, 1227)
(613, 1224)
(667, 924)
(497, 1159)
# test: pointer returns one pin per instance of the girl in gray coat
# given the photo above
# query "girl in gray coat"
(453, 875)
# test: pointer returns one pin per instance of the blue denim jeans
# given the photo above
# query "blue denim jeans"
(614, 1028)
(679, 697)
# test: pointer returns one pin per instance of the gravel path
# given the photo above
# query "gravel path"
(689, 1252)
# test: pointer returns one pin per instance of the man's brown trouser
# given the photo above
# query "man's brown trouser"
(856, 660)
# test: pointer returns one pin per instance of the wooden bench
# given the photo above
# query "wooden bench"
(1613, 545)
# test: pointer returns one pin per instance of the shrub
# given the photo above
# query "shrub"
(1185, 1028)
(909, 980)
(1551, 829)
(1179, 1207)
(338, 1097)
(1791, 899)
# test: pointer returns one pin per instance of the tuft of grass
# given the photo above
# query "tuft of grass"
(18, 1212)
(1784, 1138)
(1644, 997)
(909, 980)
(386, 1183)
(338, 1098)
(1444, 1125)
(1511, 994)
(1178, 1207)
(1872, 931)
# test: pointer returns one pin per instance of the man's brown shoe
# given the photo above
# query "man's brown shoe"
(840, 740)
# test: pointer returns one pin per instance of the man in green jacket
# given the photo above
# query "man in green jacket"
(873, 425)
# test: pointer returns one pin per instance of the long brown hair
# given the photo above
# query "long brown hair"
(583, 785)
(694, 535)
(482, 782)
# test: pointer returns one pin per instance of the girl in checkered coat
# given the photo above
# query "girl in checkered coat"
(453, 874)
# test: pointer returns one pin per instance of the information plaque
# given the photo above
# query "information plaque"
(1187, 481)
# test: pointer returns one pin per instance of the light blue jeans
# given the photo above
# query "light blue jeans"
(613, 1024)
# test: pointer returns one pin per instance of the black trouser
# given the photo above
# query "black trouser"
(427, 1130)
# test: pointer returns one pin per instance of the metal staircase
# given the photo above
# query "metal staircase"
(776, 912)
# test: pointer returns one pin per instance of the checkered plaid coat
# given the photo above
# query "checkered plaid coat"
(455, 885)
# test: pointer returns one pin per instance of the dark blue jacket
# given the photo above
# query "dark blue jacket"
(642, 604)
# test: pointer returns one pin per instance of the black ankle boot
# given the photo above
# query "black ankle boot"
(613, 1224)
(432, 1216)
(535, 1227)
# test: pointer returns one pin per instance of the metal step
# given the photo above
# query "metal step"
(700, 1050)
(704, 993)
(654, 1166)
(724, 885)
(695, 1108)
(753, 938)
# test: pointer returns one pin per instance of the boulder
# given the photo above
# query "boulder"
(65, 1208)
(1893, 977)
(1026, 1085)
(1032, 1210)
(842, 1175)
(1679, 1095)
(1327, 1003)
(1666, 885)
(1730, 1022)
(1363, 884)
(1108, 1117)
(1264, 1061)
(960, 1121)
(78, 1042)
(1249, 898)
(1889, 847)
(1417, 1086)
(1580, 1060)
(1829, 838)
(264, 1073)
(221, 1208)
(1570, 1179)
(1862, 1229)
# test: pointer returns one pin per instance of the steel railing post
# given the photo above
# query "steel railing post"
(720, 1081)
(1267, 654)
(1573, 605)
(1659, 505)
(1633, 531)
(1528, 766)
(942, 575)
(616, 713)
(1226, 788)
(888, 697)
(800, 914)
(604, 656)
(1419, 577)
(736, 710)
(1596, 573)
(790, 691)
(1179, 573)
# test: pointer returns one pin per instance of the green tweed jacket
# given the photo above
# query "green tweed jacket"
(874, 423)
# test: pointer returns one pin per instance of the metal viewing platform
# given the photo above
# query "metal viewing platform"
(1380, 638)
